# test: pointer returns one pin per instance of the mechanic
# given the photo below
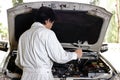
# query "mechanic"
(39, 47)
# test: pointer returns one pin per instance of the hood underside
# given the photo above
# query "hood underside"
(75, 22)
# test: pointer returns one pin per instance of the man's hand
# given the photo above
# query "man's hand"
(79, 53)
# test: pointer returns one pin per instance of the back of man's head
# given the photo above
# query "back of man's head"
(44, 13)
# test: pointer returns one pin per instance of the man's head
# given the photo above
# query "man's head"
(46, 16)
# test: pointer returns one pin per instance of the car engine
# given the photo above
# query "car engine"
(89, 66)
(85, 68)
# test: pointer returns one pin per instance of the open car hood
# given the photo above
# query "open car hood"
(76, 22)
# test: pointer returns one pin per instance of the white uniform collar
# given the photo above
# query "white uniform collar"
(37, 25)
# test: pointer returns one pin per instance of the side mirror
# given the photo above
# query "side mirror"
(4, 46)
(104, 48)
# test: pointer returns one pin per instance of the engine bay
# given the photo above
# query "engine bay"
(90, 67)
(85, 68)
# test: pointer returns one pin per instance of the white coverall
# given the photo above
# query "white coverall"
(37, 49)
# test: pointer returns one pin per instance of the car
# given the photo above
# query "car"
(78, 25)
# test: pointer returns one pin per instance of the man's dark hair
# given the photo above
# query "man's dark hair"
(44, 13)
